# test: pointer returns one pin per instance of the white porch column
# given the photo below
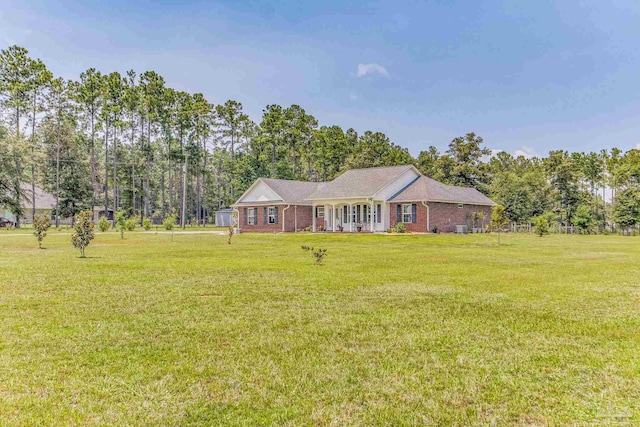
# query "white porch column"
(372, 215)
(313, 216)
(333, 218)
(351, 217)
(327, 217)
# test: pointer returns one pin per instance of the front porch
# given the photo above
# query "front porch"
(353, 217)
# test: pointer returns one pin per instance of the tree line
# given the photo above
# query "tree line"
(129, 142)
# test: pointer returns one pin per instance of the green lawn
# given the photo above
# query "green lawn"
(392, 330)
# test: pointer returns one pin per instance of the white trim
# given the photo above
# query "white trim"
(424, 203)
(443, 201)
(283, 221)
(404, 213)
(340, 198)
(236, 220)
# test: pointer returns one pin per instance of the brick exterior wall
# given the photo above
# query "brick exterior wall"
(294, 215)
(444, 216)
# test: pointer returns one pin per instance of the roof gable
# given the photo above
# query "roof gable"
(269, 190)
(260, 192)
(356, 183)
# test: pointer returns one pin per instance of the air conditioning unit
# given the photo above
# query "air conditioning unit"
(461, 229)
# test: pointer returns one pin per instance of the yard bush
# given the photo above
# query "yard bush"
(400, 228)
(146, 224)
(169, 222)
(541, 225)
(104, 224)
(130, 224)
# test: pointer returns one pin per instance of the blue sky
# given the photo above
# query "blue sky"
(528, 77)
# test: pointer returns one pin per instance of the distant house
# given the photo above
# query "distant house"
(45, 204)
(372, 200)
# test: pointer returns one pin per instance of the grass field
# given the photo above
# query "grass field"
(392, 330)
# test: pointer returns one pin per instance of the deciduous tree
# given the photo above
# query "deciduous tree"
(84, 232)
(41, 225)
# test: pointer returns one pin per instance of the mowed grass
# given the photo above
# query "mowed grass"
(392, 330)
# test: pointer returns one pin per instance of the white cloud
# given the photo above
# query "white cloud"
(487, 158)
(526, 151)
(353, 96)
(365, 69)
(637, 147)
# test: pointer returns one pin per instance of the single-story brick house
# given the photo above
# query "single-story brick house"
(45, 204)
(373, 200)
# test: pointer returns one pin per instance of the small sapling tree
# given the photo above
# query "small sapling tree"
(498, 219)
(230, 234)
(121, 222)
(541, 225)
(84, 233)
(41, 224)
(317, 253)
(169, 224)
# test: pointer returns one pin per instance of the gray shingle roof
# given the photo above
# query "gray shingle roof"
(427, 189)
(291, 192)
(358, 182)
(44, 200)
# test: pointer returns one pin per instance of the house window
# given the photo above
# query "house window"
(271, 214)
(407, 216)
(460, 206)
(252, 217)
(378, 213)
(356, 213)
(320, 211)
